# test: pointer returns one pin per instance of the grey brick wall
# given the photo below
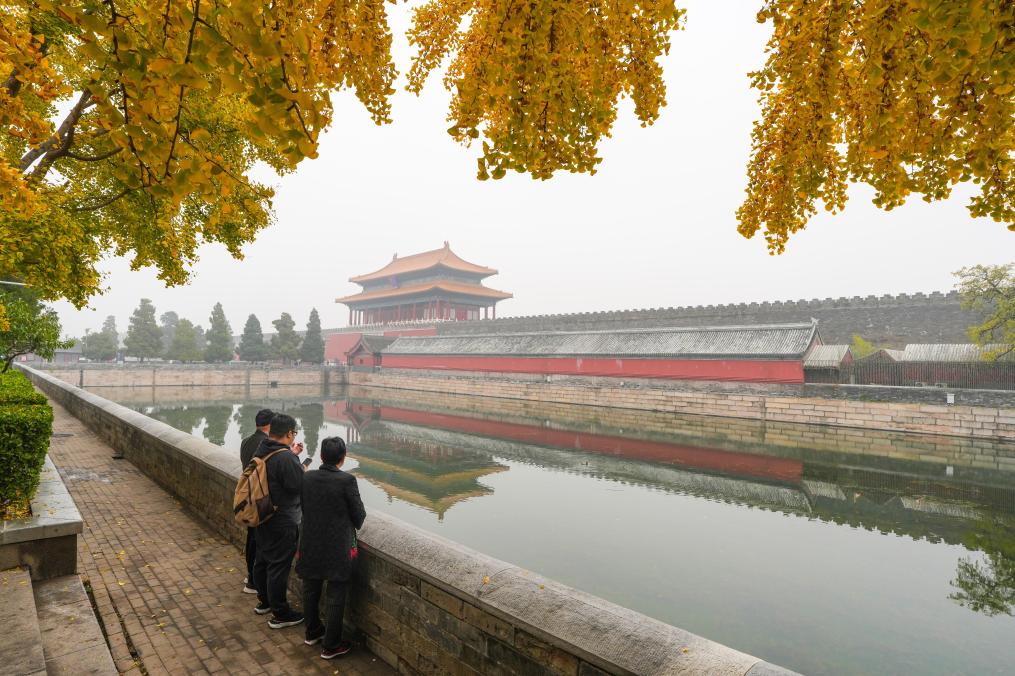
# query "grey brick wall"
(889, 320)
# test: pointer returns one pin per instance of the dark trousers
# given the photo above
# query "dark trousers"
(251, 553)
(276, 547)
(334, 608)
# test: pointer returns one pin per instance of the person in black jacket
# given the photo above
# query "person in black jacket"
(277, 536)
(332, 512)
(262, 421)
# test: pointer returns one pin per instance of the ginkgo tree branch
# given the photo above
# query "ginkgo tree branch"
(59, 143)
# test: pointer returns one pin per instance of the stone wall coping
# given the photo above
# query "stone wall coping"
(54, 513)
(605, 634)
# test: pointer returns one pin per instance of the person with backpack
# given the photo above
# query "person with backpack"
(262, 421)
(277, 532)
(332, 513)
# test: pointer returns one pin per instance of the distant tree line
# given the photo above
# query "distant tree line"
(176, 339)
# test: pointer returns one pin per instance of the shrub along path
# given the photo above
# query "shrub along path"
(167, 589)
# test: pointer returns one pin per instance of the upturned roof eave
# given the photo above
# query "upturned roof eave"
(485, 293)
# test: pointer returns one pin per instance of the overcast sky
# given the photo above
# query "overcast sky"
(654, 228)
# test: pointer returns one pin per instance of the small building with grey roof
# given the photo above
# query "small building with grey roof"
(759, 353)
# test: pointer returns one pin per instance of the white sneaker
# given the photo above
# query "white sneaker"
(247, 589)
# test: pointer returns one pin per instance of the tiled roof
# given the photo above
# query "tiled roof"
(947, 352)
(424, 261)
(767, 341)
(412, 289)
(826, 356)
(373, 344)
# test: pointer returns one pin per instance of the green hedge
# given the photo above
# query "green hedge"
(26, 423)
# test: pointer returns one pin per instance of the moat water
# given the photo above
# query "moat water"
(827, 551)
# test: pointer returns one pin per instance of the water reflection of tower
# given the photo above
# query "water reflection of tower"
(428, 474)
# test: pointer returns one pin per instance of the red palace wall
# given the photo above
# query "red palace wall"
(757, 371)
(337, 345)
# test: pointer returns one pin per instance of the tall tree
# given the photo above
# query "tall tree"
(908, 97)
(31, 328)
(144, 337)
(184, 347)
(200, 339)
(285, 344)
(312, 349)
(102, 345)
(252, 346)
(168, 322)
(219, 336)
(165, 109)
(989, 290)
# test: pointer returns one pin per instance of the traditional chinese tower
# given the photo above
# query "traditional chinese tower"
(429, 286)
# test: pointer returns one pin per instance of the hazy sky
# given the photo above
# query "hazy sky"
(654, 228)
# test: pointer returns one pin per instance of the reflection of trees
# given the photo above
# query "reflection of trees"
(217, 423)
(246, 418)
(311, 420)
(989, 587)
(185, 418)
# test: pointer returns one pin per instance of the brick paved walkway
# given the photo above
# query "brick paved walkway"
(166, 587)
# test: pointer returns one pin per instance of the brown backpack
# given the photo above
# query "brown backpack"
(252, 504)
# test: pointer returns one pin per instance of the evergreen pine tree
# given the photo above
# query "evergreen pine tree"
(252, 346)
(168, 322)
(285, 344)
(312, 349)
(184, 346)
(144, 337)
(102, 345)
(200, 339)
(219, 337)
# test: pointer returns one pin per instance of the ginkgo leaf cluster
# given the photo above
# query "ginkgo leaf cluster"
(539, 82)
(908, 96)
(165, 108)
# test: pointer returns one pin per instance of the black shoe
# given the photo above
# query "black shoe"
(314, 638)
(262, 609)
(343, 649)
(288, 618)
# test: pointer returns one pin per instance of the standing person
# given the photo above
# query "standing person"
(249, 446)
(277, 536)
(332, 513)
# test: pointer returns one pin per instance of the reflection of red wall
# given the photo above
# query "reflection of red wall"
(337, 344)
(710, 459)
(758, 371)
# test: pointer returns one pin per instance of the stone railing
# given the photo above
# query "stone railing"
(423, 603)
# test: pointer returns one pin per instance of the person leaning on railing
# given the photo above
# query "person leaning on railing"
(332, 513)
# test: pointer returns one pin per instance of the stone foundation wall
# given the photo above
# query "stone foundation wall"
(178, 375)
(770, 404)
(422, 603)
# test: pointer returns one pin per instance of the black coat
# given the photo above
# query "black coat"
(249, 446)
(285, 480)
(332, 511)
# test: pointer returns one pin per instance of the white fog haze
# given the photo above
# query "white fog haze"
(655, 227)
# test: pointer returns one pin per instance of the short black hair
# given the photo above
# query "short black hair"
(263, 417)
(333, 450)
(281, 425)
